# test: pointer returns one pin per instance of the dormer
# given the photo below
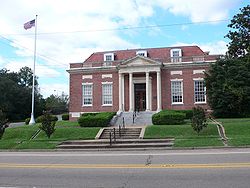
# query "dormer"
(108, 57)
(142, 53)
(176, 55)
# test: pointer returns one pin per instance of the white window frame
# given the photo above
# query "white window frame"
(172, 91)
(84, 96)
(142, 53)
(204, 90)
(110, 94)
(109, 55)
(176, 59)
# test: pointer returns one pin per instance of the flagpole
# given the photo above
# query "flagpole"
(32, 119)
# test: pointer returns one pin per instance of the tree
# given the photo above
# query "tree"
(57, 104)
(25, 76)
(199, 120)
(240, 34)
(3, 123)
(228, 87)
(47, 125)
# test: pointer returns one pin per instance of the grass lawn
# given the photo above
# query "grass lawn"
(19, 137)
(237, 130)
(185, 136)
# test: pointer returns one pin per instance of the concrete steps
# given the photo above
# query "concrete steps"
(119, 144)
(126, 133)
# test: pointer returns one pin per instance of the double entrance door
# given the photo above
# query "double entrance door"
(140, 97)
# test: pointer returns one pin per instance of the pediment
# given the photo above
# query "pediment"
(140, 61)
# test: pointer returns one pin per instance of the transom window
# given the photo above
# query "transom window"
(107, 91)
(175, 55)
(199, 91)
(87, 94)
(177, 92)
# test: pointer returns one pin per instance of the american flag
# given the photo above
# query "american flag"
(29, 24)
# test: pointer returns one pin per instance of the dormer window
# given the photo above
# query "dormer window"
(109, 57)
(176, 55)
(142, 53)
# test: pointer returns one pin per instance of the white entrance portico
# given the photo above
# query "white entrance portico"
(145, 66)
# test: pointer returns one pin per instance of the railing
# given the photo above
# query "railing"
(112, 132)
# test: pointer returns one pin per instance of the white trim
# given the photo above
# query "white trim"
(87, 77)
(75, 114)
(205, 95)
(85, 84)
(199, 71)
(107, 82)
(106, 76)
(176, 79)
(176, 59)
(108, 54)
(182, 92)
(198, 79)
(176, 72)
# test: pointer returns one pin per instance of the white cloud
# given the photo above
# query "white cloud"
(216, 47)
(54, 88)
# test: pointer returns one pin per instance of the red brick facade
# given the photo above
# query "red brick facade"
(93, 72)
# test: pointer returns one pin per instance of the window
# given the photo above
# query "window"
(109, 57)
(175, 55)
(199, 91)
(87, 94)
(107, 94)
(142, 53)
(177, 92)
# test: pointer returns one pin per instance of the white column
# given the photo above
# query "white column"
(147, 92)
(131, 92)
(159, 91)
(120, 92)
(123, 98)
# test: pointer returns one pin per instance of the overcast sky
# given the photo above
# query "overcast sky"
(70, 31)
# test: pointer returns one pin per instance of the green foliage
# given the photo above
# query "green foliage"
(189, 113)
(15, 89)
(168, 117)
(239, 35)
(199, 120)
(57, 104)
(3, 123)
(39, 119)
(27, 120)
(228, 87)
(65, 117)
(96, 119)
(48, 124)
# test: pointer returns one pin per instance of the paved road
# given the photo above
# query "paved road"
(223, 168)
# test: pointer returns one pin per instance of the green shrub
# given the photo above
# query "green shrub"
(27, 120)
(96, 119)
(48, 124)
(39, 119)
(199, 120)
(168, 117)
(189, 113)
(65, 117)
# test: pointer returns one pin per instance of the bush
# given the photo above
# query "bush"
(96, 119)
(65, 117)
(48, 124)
(199, 120)
(168, 117)
(189, 113)
(3, 123)
(27, 120)
(39, 119)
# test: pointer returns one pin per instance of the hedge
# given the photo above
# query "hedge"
(65, 117)
(96, 119)
(189, 113)
(39, 119)
(168, 117)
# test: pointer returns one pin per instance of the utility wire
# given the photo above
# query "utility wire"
(124, 28)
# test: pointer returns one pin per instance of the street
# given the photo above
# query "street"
(121, 169)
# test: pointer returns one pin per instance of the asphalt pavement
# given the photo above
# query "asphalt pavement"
(222, 168)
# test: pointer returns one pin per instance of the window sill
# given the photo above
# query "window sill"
(180, 103)
(200, 103)
(107, 105)
(87, 105)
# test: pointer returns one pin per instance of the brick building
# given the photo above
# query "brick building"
(149, 79)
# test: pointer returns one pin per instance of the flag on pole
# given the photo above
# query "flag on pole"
(29, 24)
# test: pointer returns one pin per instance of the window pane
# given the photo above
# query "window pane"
(199, 91)
(107, 94)
(176, 92)
(87, 94)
